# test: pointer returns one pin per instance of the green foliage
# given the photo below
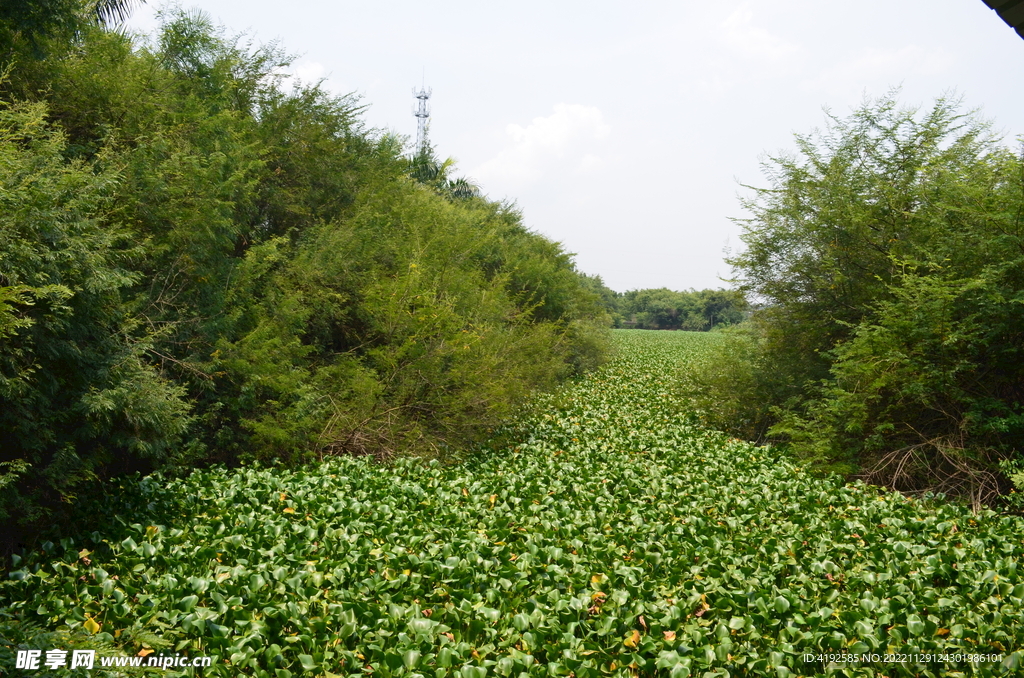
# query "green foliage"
(1014, 470)
(928, 386)
(395, 309)
(191, 252)
(829, 233)
(664, 309)
(613, 536)
(29, 30)
(607, 297)
(10, 320)
(729, 381)
(886, 259)
(75, 389)
(15, 635)
(425, 168)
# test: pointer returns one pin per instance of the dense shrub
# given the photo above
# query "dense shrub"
(77, 392)
(199, 264)
(887, 260)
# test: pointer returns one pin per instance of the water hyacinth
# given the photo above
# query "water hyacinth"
(613, 536)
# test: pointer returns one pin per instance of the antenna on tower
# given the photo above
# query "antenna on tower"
(422, 113)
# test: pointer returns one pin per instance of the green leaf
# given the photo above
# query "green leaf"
(915, 625)
(411, 658)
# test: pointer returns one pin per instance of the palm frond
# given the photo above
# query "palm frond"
(112, 13)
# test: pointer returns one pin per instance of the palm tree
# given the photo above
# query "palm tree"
(34, 20)
(425, 168)
(110, 13)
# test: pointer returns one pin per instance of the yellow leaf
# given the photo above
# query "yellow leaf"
(222, 576)
(494, 498)
(283, 495)
(669, 635)
(632, 638)
(465, 492)
(289, 509)
(597, 579)
(942, 632)
(117, 633)
(406, 572)
(144, 652)
(90, 625)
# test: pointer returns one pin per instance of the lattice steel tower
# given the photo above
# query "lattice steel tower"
(422, 114)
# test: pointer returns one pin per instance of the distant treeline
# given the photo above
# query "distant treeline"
(665, 309)
(200, 264)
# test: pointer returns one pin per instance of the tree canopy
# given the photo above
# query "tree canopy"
(693, 310)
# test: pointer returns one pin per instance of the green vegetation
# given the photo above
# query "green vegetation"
(887, 259)
(303, 403)
(199, 265)
(614, 536)
(665, 309)
(695, 310)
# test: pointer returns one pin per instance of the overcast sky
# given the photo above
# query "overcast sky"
(624, 130)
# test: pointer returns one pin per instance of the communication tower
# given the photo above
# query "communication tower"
(422, 113)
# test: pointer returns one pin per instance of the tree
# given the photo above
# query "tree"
(692, 310)
(887, 258)
(37, 20)
(114, 12)
(77, 394)
(425, 168)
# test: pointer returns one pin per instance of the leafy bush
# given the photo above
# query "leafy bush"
(923, 389)
(76, 390)
(886, 259)
(728, 381)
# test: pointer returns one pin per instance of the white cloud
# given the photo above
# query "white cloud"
(565, 136)
(306, 72)
(739, 32)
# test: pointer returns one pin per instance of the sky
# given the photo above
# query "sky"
(627, 131)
